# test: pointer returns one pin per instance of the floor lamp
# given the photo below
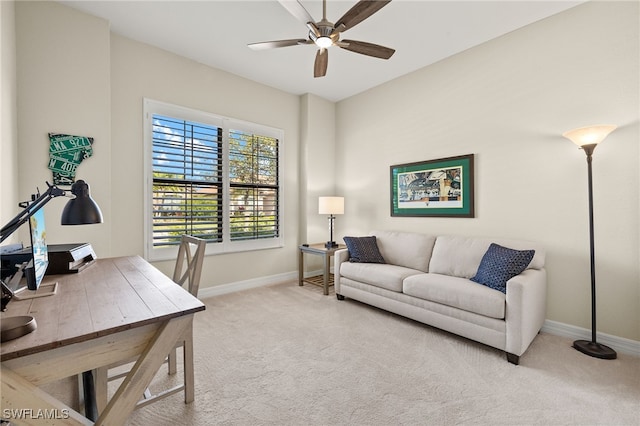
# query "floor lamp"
(587, 138)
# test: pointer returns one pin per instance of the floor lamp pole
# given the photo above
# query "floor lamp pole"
(592, 348)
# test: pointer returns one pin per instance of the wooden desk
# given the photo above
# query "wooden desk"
(319, 250)
(114, 310)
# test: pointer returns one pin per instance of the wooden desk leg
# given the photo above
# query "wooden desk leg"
(300, 267)
(101, 386)
(325, 277)
(24, 401)
(145, 368)
(189, 385)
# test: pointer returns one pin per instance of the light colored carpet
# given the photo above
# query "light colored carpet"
(288, 355)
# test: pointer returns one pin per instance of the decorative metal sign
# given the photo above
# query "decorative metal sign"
(66, 152)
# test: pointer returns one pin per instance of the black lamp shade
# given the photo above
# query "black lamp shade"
(81, 210)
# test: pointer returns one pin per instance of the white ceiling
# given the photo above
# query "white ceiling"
(216, 33)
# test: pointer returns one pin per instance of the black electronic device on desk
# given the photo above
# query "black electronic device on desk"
(70, 258)
(63, 258)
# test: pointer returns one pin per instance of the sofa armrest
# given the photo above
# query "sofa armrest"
(525, 310)
(339, 257)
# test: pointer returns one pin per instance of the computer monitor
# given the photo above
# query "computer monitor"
(34, 269)
(40, 258)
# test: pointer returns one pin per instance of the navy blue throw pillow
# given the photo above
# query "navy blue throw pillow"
(363, 250)
(500, 264)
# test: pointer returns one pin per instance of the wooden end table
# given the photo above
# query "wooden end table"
(319, 250)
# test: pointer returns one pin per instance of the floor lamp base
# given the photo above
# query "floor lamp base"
(594, 349)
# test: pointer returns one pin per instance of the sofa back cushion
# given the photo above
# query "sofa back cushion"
(460, 256)
(408, 249)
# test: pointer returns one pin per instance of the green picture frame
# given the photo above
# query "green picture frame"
(435, 188)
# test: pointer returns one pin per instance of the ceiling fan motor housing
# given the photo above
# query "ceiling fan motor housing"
(323, 29)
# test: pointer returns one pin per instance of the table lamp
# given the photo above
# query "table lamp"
(331, 206)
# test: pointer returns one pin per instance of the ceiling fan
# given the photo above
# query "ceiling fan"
(325, 34)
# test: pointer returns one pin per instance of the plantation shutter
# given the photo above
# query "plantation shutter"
(253, 186)
(187, 180)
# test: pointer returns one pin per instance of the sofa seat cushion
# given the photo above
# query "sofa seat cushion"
(457, 292)
(439, 315)
(379, 275)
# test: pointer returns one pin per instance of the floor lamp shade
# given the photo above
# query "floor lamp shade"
(331, 206)
(588, 138)
(591, 135)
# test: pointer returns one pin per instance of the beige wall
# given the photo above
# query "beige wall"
(76, 77)
(508, 102)
(140, 71)
(317, 165)
(63, 86)
(8, 119)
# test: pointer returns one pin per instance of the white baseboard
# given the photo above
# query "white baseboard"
(218, 290)
(619, 344)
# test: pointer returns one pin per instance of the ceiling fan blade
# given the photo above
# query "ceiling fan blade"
(264, 45)
(365, 48)
(297, 9)
(320, 66)
(358, 13)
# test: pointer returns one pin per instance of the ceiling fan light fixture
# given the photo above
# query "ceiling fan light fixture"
(325, 34)
(323, 42)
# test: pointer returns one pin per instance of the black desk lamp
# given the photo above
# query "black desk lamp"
(587, 138)
(80, 210)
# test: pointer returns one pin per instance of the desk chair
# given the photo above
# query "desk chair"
(187, 270)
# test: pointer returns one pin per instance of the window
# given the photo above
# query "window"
(211, 177)
(187, 180)
(253, 181)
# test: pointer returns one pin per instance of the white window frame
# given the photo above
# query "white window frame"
(151, 107)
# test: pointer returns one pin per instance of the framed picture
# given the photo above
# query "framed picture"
(438, 188)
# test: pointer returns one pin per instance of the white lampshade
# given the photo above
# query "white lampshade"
(589, 135)
(331, 205)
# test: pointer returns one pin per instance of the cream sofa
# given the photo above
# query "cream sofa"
(427, 278)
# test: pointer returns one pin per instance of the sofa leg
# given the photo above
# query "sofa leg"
(513, 359)
(339, 296)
